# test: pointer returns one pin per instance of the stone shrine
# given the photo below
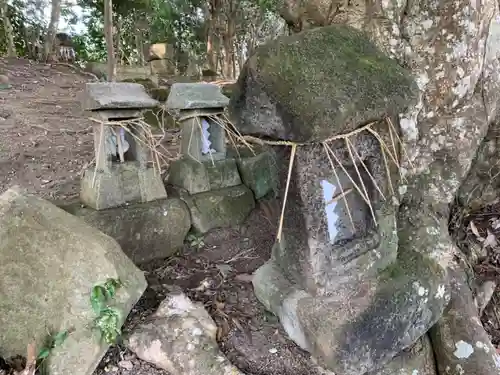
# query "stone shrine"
(121, 173)
(343, 280)
(205, 177)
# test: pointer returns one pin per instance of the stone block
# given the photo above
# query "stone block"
(219, 208)
(145, 231)
(196, 96)
(162, 67)
(159, 51)
(123, 183)
(258, 169)
(49, 261)
(116, 95)
(198, 177)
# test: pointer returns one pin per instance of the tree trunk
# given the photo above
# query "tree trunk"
(212, 15)
(228, 39)
(52, 29)
(453, 50)
(108, 32)
(118, 40)
(9, 32)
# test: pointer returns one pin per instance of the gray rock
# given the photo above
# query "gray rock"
(196, 96)
(49, 261)
(116, 95)
(258, 170)
(181, 338)
(220, 208)
(416, 360)
(145, 231)
(331, 78)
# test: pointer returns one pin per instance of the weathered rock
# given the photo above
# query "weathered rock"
(460, 342)
(181, 338)
(417, 360)
(196, 96)
(198, 177)
(332, 78)
(220, 208)
(116, 95)
(4, 82)
(49, 262)
(146, 231)
(258, 169)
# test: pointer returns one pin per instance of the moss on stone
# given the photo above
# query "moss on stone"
(329, 78)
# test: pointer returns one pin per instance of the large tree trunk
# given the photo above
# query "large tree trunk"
(212, 42)
(108, 32)
(52, 29)
(453, 49)
(9, 32)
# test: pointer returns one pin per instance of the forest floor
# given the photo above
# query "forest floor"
(45, 143)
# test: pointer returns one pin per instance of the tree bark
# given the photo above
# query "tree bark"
(108, 32)
(52, 29)
(212, 43)
(9, 32)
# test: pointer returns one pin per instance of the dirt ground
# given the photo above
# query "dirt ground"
(46, 141)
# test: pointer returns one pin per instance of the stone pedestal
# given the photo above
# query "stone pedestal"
(121, 184)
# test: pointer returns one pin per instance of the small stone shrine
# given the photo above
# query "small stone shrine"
(121, 173)
(207, 179)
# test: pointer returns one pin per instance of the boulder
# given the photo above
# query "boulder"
(49, 261)
(331, 78)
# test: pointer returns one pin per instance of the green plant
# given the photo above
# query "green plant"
(195, 240)
(108, 317)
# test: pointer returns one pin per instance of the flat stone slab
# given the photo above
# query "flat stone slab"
(49, 261)
(116, 95)
(145, 231)
(196, 96)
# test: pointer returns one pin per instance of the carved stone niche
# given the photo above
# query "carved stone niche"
(121, 173)
(203, 139)
(203, 165)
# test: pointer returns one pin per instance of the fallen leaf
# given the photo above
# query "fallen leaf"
(224, 269)
(491, 240)
(474, 230)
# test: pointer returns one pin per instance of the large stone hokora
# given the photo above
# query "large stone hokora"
(49, 262)
(331, 78)
(335, 279)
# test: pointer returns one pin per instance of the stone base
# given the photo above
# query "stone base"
(125, 183)
(258, 171)
(145, 231)
(218, 208)
(356, 331)
(199, 177)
